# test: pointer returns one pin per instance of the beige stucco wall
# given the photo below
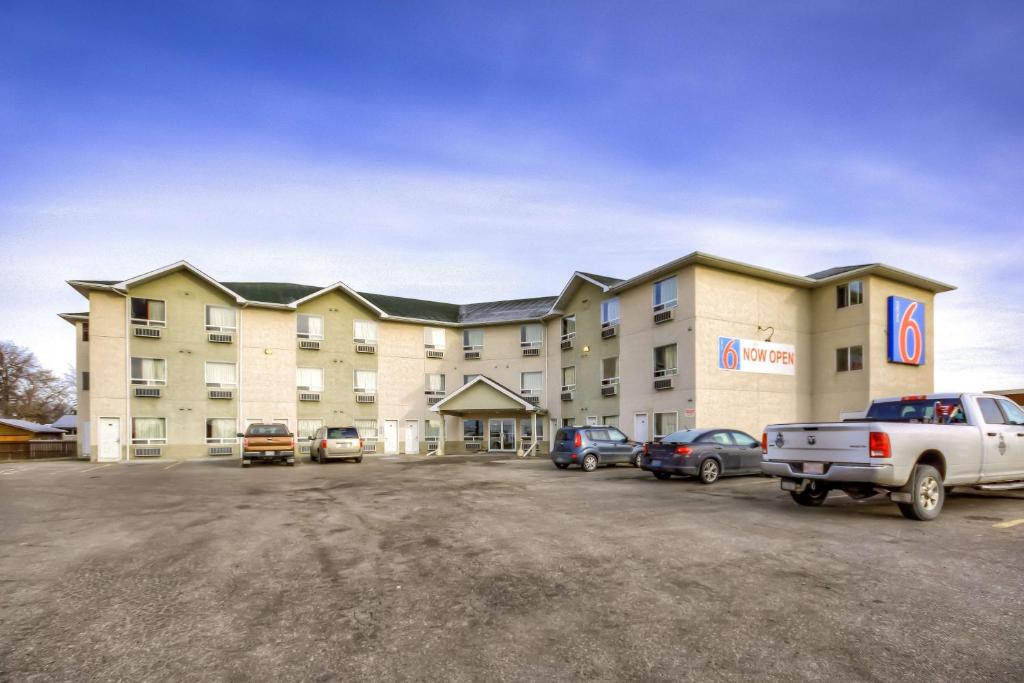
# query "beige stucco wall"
(896, 379)
(268, 365)
(83, 396)
(107, 358)
(735, 305)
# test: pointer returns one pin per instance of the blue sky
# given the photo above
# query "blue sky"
(467, 151)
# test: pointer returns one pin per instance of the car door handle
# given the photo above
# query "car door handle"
(1020, 433)
(991, 433)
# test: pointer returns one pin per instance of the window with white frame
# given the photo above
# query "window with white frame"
(610, 421)
(309, 379)
(850, 294)
(309, 326)
(466, 379)
(531, 383)
(569, 378)
(665, 361)
(364, 331)
(308, 428)
(149, 431)
(849, 359)
(365, 382)
(569, 327)
(434, 384)
(149, 371)
(433, 338)
(665, 294)
(472, 430)
(473, 340)
(431, 431)
(665, 424)
(151, 312)
(531, 335)
(609, 370)
(221, 318)
(367, 428)
(610, 312)
(221, 430)
(526, 428)
(219, 374)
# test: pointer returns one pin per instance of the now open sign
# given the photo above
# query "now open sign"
(751, 355)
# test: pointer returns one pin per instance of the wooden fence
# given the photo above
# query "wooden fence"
(32, 450)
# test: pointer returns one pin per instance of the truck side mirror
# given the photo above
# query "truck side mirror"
(240, 435)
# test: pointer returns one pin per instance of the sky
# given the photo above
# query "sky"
(469, 151)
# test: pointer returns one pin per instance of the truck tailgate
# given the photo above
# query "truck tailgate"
(829, 442)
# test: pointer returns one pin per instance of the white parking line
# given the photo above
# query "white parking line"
(175, 464)
(100, 467)
(14, 471)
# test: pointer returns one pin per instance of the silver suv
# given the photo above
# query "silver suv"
(590, 447)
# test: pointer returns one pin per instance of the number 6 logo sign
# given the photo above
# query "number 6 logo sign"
(906, 331)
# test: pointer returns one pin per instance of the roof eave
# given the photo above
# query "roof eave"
(892, 273)
(124, 285)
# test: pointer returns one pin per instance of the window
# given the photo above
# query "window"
(310, 326)
(466, 379)
(567, 422)
(220, 318)
(531, 383)
(665, 294)
(599, 435)
(914, 410)
(611, 420)
(433, 338)
(308, 428)
(149, 312)
(531, 336)
(432, 430)
(472, 430)
(85, 380)
(367, 428)
(850, 358)
(221, 430)
(220, 374)
(850, 294)
(365, 381)
(610, 312)
(610, 370)
(343, 432)
(279, 428)
(568, 326)
(149, 430)
(309, 379)
(568, 378)
(744, 440)
(149, 371)
(990, 412)
(434, 384)
(1012, 411)
(473, 340)
(720, 438)
(665, 361)
(593, 421)
(526, 428)
(615, 435)
(664, 424)
(364, 331)
(85, 331)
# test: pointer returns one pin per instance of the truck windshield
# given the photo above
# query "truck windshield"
(268, 430)
(920, 410)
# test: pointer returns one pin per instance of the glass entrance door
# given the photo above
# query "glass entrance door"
(502, 434)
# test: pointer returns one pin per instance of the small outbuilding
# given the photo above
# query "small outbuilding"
(67, 424)
(17, 431)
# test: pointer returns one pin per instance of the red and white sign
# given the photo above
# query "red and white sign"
(750, 355)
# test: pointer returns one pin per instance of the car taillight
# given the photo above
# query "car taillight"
(360, 443)
(879, 446)
(764, 443)
(683, 450)
(323, 444)
(578, 441)
(645, 449)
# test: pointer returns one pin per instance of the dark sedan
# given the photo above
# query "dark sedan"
(703, 453)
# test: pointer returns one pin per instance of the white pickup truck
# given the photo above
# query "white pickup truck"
(912, 449)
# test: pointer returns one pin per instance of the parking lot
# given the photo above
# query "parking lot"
(480, 567)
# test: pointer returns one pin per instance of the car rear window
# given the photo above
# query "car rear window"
(916, 410)
(268, 430)
(342, 433)
(563, 435)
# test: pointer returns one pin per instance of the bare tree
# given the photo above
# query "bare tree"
(29, 391)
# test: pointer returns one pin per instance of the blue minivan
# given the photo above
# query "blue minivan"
(590, 447)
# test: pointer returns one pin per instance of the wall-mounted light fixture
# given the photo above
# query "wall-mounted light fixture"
(586, 348)
(769, 330)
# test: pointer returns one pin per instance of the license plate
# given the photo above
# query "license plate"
(655, 463)
(271, 452)
(814, 468)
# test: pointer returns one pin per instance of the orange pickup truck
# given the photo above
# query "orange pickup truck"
(271, 442)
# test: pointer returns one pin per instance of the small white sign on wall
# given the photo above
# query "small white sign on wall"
(750, 355)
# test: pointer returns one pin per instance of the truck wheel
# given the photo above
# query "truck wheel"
(812, 496)
(928, 495)
(359, 459)
(710, 470)
(589, 462)
(637, 458)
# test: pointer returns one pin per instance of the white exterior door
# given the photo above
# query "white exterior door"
(412, 437)
(390, 437)
(640, 427)
(109, 442)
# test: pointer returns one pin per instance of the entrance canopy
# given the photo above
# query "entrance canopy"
(482, 396)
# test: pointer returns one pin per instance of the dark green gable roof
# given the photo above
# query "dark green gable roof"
(420, 309)
(271, 292)
(603, 279)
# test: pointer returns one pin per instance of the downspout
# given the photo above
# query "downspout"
(126, 429)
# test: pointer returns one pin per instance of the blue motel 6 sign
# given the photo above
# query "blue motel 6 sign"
(906, 331)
